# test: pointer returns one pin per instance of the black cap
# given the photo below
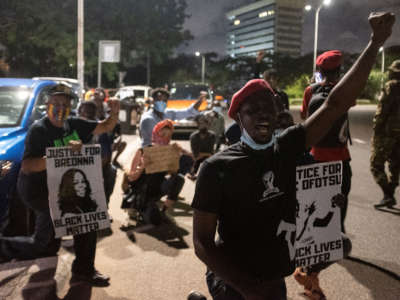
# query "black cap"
(62, 88)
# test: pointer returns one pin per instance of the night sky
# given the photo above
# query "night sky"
(343, 25)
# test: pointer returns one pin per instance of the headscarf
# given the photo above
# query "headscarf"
(156, 138)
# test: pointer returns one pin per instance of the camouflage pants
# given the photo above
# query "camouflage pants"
(386, 149)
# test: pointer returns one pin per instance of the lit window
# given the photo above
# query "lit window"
(263, 14)
(233, 42)
(237, 22)
(266, 13)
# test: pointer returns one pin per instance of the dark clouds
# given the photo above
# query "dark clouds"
(343, 25)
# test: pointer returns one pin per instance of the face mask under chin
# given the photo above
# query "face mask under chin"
(249, 141)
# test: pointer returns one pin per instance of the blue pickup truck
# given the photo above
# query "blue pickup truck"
(22, 102)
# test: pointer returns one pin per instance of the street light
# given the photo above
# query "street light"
(308, 8)
(203, 65)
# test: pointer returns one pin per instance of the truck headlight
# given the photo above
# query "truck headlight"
(6, 166)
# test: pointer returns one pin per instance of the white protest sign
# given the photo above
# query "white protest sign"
(318, 236)
(76, 194)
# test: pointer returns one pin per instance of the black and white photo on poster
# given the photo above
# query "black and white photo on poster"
(318, 238)
(76, 192)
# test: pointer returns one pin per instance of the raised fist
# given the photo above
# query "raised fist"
(381, 24)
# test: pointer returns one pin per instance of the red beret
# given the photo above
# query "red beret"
(249, 88)
(329, 60)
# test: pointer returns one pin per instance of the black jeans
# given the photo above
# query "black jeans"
(197, 164)
(346, 186)
(219, 290)
(109, 177)
(172, 186)
(185, 164)
(43, 242)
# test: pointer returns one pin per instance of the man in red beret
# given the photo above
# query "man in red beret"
(333, 146)
(248, 191)
(329, 65)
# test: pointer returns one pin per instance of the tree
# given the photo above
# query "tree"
(40, 38)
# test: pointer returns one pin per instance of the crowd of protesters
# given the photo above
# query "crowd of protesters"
(248, 260)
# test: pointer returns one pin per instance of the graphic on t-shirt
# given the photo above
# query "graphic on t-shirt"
(271, 191)
(74, 193)
(65, 140)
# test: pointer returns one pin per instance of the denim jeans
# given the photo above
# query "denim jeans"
(219, 290)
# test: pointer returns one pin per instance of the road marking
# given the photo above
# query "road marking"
(359, 141)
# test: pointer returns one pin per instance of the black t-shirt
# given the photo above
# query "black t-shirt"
(339, 133)
(252, 192)
(43, 134)
(202, 143)
(233, 133)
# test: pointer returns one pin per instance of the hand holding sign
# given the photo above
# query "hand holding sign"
(76, 146)
(161, 159)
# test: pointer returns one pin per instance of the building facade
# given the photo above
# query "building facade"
(270, 25)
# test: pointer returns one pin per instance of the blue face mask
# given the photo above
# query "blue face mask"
(248, 140)
(160, 106)
(217, 109)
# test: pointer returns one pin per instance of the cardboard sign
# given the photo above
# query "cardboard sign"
(76, 194)
(318, 235)
(161, 159)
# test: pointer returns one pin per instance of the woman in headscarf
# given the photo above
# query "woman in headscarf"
(157, 184)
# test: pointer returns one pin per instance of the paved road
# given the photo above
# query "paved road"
(159, 264)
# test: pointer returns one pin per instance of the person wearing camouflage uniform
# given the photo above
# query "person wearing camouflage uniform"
(386, 138)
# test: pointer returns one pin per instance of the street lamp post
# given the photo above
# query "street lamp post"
(80, 55)
(203, 66)
(308, 7)
(382, 49)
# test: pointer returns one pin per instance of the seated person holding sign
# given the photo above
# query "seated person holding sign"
(148, 173)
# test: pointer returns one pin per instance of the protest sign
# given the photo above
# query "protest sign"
(76, 194)
(318, 236)
(161, 159)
